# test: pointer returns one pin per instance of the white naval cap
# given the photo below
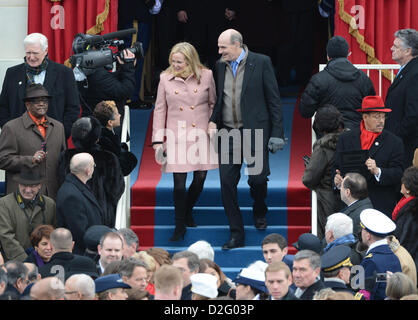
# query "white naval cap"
(376, 222)
(204, 284)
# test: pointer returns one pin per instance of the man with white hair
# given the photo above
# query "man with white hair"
(403, 101)
(58, 80)
(339, 231)
(80, 287)
(203, 249)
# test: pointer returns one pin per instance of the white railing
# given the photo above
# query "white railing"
(124, 204)
(367, 67)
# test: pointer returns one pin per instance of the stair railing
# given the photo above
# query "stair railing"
(124, 204)
(367, 67)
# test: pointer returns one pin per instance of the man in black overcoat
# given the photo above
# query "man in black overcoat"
(402, 96)
(77, 208)
(383, 164)
(58, 80)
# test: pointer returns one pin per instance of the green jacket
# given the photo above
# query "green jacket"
(15, 227)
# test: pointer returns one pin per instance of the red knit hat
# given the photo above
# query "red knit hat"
(373, 104)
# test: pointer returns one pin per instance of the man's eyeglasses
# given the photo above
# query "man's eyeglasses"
(39, 101)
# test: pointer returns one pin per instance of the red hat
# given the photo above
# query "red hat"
(373, 104)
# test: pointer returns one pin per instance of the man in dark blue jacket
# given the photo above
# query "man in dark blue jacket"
(379, 257)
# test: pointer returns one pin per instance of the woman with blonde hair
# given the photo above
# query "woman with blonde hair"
(185, 99)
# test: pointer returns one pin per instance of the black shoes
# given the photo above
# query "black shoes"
(190, 223)
(261, 224)
(233, 243)
(178, 234)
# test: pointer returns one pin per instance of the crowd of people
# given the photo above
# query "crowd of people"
(113, 268)
(58, 215)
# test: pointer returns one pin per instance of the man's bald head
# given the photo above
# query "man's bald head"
(230, 45)
(62, 240)
(233, 36)
(50, 288)
(82, 165)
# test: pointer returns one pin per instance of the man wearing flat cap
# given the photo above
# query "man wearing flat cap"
(375, 153)
(339, 84)
(379, 257)
(21, 212)
(34, 140)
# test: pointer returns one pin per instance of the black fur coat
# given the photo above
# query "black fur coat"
(407, 228)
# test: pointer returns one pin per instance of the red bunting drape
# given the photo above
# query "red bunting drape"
(61, 20)
(369, 25)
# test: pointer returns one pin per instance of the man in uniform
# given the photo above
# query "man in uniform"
(379, 257)
(336, 269)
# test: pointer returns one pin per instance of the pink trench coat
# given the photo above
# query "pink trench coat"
(181, 117)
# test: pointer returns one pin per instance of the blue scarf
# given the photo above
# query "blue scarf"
(347, 239)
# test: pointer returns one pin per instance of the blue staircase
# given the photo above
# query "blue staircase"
(157, 223)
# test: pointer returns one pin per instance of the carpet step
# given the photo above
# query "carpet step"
(216, 215)
(216, 235)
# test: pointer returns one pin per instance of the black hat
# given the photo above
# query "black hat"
(308, 241)
(93, 235)
(337, 47)
(29, 176)
(336, 258)
(85, 132)
(36, 90)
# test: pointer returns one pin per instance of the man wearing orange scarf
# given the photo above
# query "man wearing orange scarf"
(383, 165)
(33, 140)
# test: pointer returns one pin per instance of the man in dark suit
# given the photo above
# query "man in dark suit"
(403, 100)
(64, 263)
(58, 80)
(306, 270)
(354, 194)
(77, 208)
(385, 153)
(202, 22)
(248, 109)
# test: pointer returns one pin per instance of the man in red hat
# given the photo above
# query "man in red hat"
(375, 153)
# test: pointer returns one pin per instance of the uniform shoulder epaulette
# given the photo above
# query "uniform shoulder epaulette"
(369, 255)
(358, 296)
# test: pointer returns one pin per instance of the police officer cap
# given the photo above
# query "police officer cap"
(376, 222)
(110, 281)
(336, 258)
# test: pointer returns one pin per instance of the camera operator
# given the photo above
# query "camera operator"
(103, 84)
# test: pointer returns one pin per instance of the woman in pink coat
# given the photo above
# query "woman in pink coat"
(185, 100)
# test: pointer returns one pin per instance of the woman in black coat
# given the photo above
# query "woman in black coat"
(405, 213)
(107, 183)
(318, 172)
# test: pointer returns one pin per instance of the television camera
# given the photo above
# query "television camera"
(93, 51)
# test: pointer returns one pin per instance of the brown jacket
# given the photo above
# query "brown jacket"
(407, 263)
(20, 139)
